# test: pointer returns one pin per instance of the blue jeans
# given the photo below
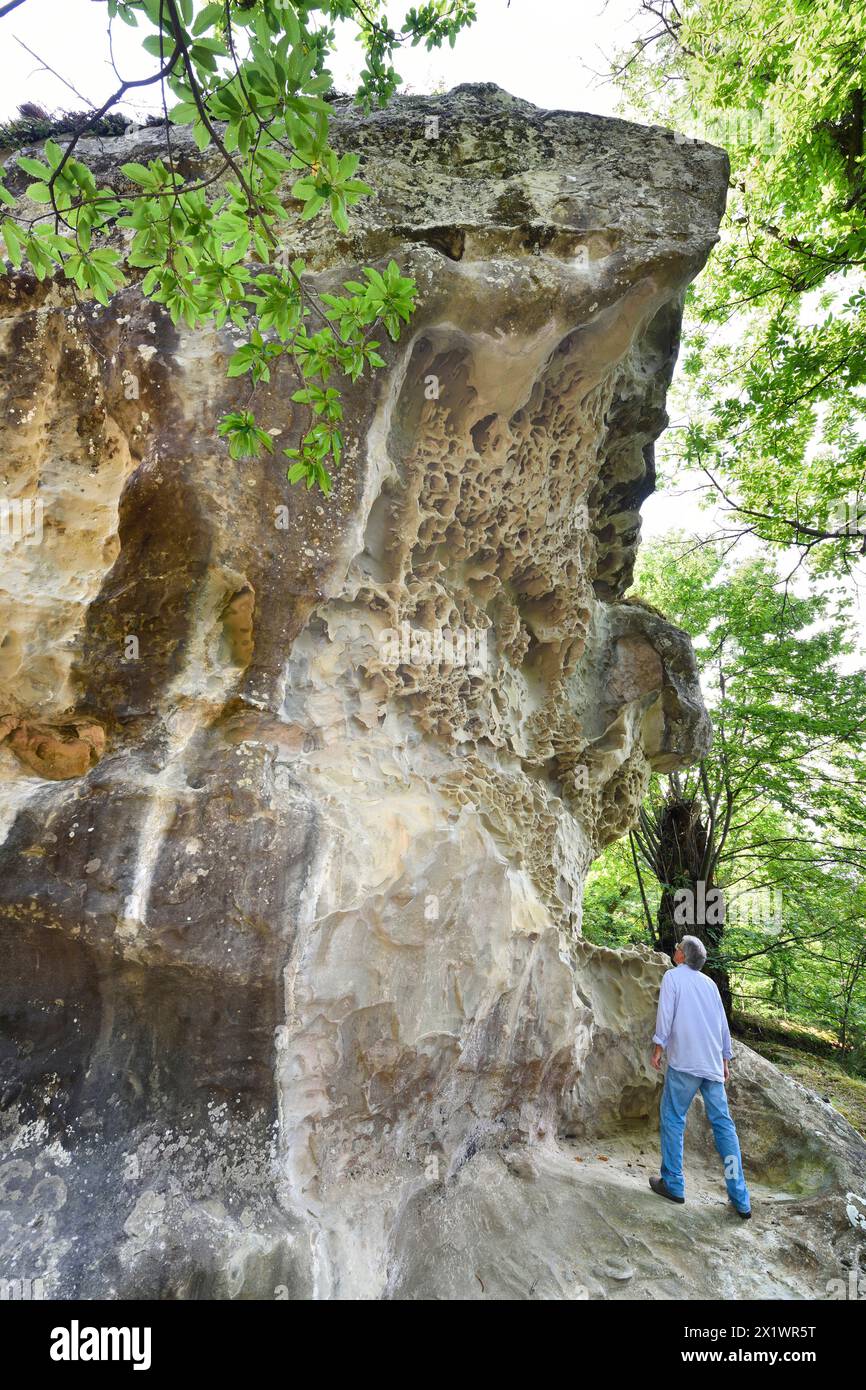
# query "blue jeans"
(680, 1089)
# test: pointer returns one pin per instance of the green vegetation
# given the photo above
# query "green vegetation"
(775, 357)
(771, 385)
(32, 124)
(809, 1058)
(249, 78)
(777, 809)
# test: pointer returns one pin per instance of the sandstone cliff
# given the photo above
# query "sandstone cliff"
(294, 999)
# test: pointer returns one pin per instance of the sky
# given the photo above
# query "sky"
(547, 51)
(554, 53)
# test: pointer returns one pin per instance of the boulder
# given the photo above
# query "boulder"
(300, 794)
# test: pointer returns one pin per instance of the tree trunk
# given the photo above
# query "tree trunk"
(682, 846)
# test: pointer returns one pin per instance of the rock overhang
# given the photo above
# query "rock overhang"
(291, 917)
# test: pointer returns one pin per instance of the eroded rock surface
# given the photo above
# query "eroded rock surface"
(294, 998)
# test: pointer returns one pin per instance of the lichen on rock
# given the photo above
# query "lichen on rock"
(300, 795)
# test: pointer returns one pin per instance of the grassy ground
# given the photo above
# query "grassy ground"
(808, 1056)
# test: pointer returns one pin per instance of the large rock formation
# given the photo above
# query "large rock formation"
(294, 997)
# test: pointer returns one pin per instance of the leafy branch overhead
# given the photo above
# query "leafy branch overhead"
(249, 78)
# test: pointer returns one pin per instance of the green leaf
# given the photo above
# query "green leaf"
(184, 113)
(140, 174)
(12, 238)
(35, 167)
(157, 47)
(315, 204)
(208, 17)
(53, 153)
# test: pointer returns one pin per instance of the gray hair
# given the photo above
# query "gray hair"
(694, 951)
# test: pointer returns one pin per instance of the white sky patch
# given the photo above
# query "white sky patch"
(546, 51)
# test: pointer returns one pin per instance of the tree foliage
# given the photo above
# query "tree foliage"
(780, 799)
(249, 78)
(775, 364)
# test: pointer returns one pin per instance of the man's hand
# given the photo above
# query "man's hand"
(656, 1059)
(726, 1068)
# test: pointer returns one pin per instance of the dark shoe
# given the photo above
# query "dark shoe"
(746, 1215)
(660, 1188)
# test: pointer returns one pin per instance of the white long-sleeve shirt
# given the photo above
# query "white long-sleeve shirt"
(691, 1024)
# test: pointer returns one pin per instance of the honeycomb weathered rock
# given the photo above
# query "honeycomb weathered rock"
(294, 1000)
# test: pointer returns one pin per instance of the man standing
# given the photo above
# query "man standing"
(692, 1029)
